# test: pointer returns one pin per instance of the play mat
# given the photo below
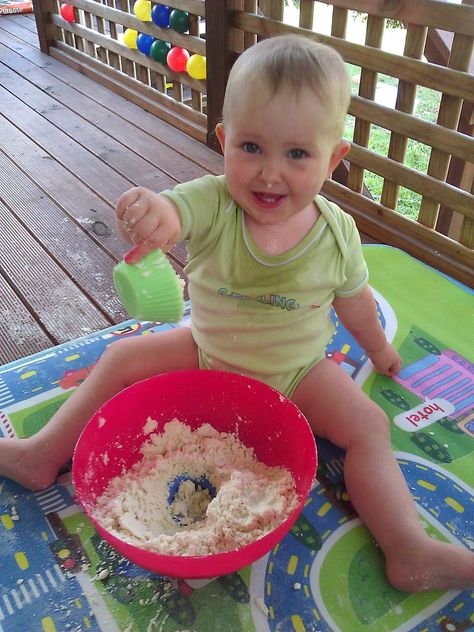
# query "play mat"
(327, 574)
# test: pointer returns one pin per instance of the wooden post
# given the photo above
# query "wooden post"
(220, 57)
(449, 222)
(42, 9)
(448, 116)
(406, 97)
(367, 87)
(272, 9)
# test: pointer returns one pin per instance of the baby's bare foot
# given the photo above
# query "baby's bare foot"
(26, 462)
(431, 565)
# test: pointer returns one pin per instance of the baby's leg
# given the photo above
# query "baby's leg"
(34, 462)
(338, 410)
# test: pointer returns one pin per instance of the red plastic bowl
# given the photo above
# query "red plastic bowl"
(256, 413)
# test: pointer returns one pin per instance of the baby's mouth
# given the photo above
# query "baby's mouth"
(267, 199)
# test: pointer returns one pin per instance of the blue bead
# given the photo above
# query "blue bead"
(144, 43)
(161, 15)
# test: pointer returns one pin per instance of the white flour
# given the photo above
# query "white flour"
(251, 498)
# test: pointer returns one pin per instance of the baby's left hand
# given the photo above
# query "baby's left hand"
(386, 360)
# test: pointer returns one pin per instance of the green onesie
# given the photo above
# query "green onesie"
(266, 316)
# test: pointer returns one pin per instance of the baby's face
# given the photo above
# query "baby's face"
(278, 151)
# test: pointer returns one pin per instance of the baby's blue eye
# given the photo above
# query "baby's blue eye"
(297, 153)
(251, 148)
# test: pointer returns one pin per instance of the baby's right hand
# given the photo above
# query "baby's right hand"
(148, 221)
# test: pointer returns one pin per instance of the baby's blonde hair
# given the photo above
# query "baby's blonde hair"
(293, 62)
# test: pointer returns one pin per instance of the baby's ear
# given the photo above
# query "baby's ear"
(220, 133)
(338, 153)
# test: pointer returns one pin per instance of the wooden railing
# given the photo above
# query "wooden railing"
(93, 43)
(442, 231)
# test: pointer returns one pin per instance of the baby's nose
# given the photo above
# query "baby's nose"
(271, 171)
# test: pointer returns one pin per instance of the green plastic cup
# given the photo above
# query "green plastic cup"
(150, 289)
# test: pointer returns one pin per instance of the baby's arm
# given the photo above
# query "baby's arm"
(358, 314)
(148, 221)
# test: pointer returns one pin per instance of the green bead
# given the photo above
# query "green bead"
(159, 50)
(179, 20)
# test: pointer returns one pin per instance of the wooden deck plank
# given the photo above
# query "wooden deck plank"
(63, 310)
(28, 21)
(80, 163)
(182, 168)
(78, 145)
(153, 126)
(79, 167)
(68, 148)
(77, 199)
(24, 44)
(89, 267)
(146, 162)
(90, 144)
(20, 332)
(23, 24)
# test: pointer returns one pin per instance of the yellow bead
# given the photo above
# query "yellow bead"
(130, 38)
(142, 9)
(196, 67)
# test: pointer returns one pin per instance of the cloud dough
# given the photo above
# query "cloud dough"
(251, 498)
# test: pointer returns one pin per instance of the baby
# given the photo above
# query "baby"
(268, 258)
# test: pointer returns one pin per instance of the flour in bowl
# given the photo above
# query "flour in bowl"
(195, 493)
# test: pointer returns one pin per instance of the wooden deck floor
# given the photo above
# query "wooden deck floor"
(68, 149)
